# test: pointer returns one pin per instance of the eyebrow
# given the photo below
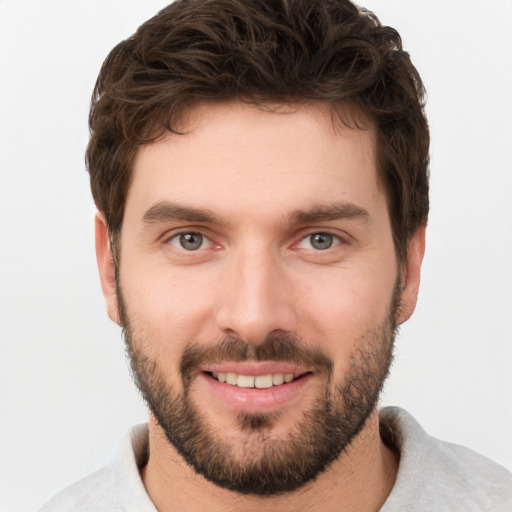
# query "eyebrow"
(329, 212)
(166, 211)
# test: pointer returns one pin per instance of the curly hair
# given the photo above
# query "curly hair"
(261, 52)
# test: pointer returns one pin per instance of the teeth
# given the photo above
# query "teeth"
(263, 381)
(245, 381)
(231, 378)
(278, 379)
(248, 381)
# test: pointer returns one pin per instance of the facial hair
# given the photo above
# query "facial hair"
(267, 466)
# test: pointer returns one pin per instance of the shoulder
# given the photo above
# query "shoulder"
(114, 488)
(436, 475)
(94, 493)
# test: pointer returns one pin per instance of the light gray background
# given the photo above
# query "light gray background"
(65, 393)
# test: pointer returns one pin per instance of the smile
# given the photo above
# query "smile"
(254, 387)
(250, 381)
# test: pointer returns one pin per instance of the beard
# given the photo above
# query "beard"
(267, 465)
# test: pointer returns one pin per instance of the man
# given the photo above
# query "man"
(261, 175)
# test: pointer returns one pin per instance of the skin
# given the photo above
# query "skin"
(258, 273)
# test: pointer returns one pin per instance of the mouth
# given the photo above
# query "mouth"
(254, 381)
(255, 387)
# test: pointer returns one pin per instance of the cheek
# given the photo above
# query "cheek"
(169, 309)
(340, 309)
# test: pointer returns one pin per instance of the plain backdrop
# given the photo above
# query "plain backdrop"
(66, 397)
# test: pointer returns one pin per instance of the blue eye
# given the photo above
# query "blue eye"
(319, 241)
(189, 241)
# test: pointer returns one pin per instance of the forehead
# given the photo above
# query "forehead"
(235, 157)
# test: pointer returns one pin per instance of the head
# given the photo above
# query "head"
(266, 54)
(260, 169)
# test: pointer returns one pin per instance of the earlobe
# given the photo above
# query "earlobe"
(106, 266)
(411, 275)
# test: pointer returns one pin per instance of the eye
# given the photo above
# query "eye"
(319, 241)
(189, 241)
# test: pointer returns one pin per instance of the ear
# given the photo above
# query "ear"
(106, 266)
(411, 275)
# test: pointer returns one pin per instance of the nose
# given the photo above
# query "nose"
(255, 296)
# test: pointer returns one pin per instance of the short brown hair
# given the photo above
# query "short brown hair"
(261, 51)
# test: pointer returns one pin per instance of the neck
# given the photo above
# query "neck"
(361, 479)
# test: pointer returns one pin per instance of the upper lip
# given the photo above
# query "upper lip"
(255, 368)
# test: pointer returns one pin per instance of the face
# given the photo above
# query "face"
(259, 291)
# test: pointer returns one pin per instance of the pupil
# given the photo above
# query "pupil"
(321, 241)
(191, 241)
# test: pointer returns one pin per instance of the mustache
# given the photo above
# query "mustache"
(277, 346)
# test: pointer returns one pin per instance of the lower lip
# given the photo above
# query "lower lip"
(253, 400)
